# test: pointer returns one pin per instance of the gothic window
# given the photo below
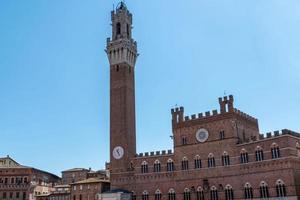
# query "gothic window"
(200, 193)
(213, 193)
(184, 164)
(263, 189)
(228, 192)
(225, 159)
(158, 195)
(275, 151)
(170, 165)
(280, 188)
(171, 194)
(244, 156)
(259, 154)
(145, 195)
(197, 162)
(127, 30)
(248, 192)
(183, 140)
(222, 135)
(118, 29)
(211, 160)
(156, 166)
(133, 195)
(144, 167)
(186, 194)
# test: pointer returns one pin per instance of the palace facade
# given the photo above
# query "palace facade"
(217, 155)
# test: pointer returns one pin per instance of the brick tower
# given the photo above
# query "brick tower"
(122, 53)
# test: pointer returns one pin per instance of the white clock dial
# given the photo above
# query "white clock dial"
(202, 135)
(118, 152)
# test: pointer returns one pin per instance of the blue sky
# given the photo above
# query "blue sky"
(54, 74)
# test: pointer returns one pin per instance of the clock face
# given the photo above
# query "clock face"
(118, 152)
(202, 135)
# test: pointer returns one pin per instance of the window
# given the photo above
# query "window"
(200, 193)
(184, 164)
(144, 167)
(225, 159)
(118, 29)
(197, 162)
(156, 166)
(186, 194)
(80, 197)
(244, 156)
(248, 192)
(133, 197)
(275, 151)
(259, 154)
(211, 160)
(74, 187)
(263, 189)
(171, 194)
(11, 195)
(145, 195)
(12, 180)
(81, 187)
(280, 188)
(213, 193)
(222, 135)
(183, 140)
(4, 195)
(17, 195)
(24, 195)
(157, 195)
(127, 27)
(170, 165)
(228, 192)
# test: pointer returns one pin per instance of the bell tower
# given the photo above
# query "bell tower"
(121, 50)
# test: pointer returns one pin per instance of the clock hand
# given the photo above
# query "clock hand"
(118, 152)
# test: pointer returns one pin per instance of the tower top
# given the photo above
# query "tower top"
(121, 6)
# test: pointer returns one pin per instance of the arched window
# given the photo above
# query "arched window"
(263, 189)
(118, 29)
(228, 192)
(259, 154)
(183, 140)
(128, 30)
(144, 167)
(170, 165)
(225, 159)
(133, 195)
(244, 156)
(186, 194)
(275, 151)
(171, 194)
(157, 195)
(211, 160)
(197, 162)
(184, 164)
(248, 191)
(213, 193)
(156, 166)
(145, 195)
(200, 193)
(280, 188)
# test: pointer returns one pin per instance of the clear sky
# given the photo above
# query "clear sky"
(54, 73)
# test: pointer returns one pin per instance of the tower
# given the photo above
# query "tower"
(122, 53)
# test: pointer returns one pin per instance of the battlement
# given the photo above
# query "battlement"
(244, 115)
(278, 133)
(226, 106)
(155, 153)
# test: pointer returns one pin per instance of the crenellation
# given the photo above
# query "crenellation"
(186, 118)
(207, 113)
(152, 153)
(269, 135)
(193, 116)
(200, 115)
(157, 153)
(215, 112)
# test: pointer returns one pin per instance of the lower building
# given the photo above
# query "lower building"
(89, 188)
(18, 182)
(59, 192)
